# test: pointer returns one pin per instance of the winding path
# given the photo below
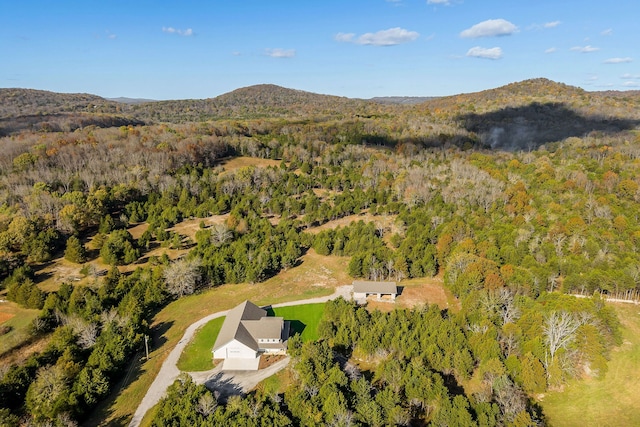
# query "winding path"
(169, 372)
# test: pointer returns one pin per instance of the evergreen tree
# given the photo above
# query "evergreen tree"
(75, 251)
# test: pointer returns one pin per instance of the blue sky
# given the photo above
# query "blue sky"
(363, 48)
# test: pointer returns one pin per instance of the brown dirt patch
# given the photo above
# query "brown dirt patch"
(417, 292)
(242, 162)
(190, 227)
(60, 270)
(5, 316)
(267, 360)
(138, 230)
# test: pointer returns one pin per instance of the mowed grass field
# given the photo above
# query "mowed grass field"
(197, 354)
(612, 400)
(304, 319)
(315, 276)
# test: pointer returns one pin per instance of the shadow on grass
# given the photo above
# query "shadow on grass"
(104, 410)
(295, 326)
(157, 335)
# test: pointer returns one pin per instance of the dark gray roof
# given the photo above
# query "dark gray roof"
(365, 286)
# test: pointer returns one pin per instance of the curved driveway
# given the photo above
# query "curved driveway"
(169, 372)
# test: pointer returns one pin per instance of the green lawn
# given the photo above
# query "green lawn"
(304, 319)
(612, 400)
(197, 355)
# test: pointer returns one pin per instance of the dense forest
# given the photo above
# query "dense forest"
(516, 196)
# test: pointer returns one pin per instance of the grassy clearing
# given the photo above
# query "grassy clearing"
(611, 401)
(243, 162)
(277, 383)
(19, 319)
(386, 220)
(304, 319)
(315, 276)
(197, 355)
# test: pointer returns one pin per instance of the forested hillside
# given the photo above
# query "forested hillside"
(515, 196)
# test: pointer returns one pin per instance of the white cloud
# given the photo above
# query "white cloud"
(344, 37)
(631, 84)
(170, 30)
(281, 53)
(490, 28)
(551, 50)
(551, 24)
(607, 32)
(618, 60)
(585, 49)
(482, 52)
(390, 37)
(446, 2)
(627, 76)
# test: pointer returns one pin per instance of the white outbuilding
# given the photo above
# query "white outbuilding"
(364, 288)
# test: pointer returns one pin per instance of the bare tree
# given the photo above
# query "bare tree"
(507, 308)
(344, 418)
(220, 234)
(352, 371)
(112, 315)
(508, 343)
(558, 243)
(88, 335)
(559, 331)
(207, 404)
(86, 332)
(510, 398)
(182, 276)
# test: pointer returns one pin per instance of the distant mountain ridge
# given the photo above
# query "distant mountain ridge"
(264, 100)
(527, 114)
(269, 98)
(29, 108)
(125, 100)
(15, 102)
(402, 100)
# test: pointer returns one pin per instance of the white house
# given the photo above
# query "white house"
(247, 332)
(363, 288)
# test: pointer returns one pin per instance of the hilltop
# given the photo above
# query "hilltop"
(521, 115)
(527, 114)
(257, 101)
